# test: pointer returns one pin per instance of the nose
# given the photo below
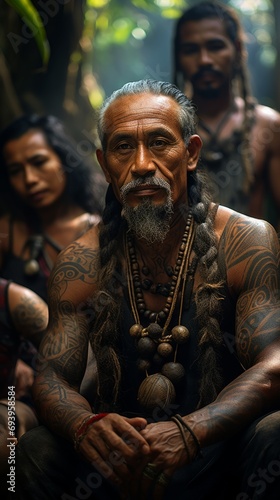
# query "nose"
(205, 58)
(143, 163)
(30, 175)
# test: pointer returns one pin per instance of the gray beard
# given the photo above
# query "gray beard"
(148, 221)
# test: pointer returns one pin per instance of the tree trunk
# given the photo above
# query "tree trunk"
(27, 87)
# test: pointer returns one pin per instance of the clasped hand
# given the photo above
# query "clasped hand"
(138, 458)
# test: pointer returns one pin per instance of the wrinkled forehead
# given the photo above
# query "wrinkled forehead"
(130, 110)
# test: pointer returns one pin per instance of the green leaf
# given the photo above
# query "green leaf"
(171, 13)
(31, 17)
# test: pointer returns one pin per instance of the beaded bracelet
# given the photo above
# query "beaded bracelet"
(83, 428)
(177, 418)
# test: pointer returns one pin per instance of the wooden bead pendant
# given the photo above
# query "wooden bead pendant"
(165, 349)
(156, 342)
(146, 347)
(156, 391)
(31, 267)
(136, 330)
(174, 371)
(180, 334)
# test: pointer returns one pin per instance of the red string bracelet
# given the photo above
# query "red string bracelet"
(82, 430)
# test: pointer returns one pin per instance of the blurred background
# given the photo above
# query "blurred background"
(64, 56)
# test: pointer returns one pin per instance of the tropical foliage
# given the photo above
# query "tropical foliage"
(63, 56)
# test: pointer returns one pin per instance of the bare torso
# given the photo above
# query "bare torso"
(265, 151)
(62, 231)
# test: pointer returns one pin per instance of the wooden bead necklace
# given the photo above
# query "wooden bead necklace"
(158, 288)
(155, 343)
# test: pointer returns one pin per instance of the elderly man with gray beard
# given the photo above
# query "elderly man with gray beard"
(179, 299)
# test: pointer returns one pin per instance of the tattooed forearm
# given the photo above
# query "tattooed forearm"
(58, 405)
(249, 253)
(63, 351)
(250, 395)
(61, 366)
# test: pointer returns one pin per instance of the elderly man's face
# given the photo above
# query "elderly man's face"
(146, 159)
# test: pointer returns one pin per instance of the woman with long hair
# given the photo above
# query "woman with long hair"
(50, 195)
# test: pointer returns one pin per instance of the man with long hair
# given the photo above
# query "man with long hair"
(241, 138)
(179, 298)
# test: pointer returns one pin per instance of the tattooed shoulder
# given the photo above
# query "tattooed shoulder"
(247, 247)
(76, 265)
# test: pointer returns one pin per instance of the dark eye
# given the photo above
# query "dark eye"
(216, 45)
(186, 50)
(124, 146)
(158, 143)
(14, 170)
(38, 161)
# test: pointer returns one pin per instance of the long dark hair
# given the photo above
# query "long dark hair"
(85, 185)
(217, 10)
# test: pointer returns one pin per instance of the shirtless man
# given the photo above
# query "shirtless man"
(241, 139)
(179, 298)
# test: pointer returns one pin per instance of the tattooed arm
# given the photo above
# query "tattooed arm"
(29, 313)
(251, 256)
(63, 354)
(63, 351)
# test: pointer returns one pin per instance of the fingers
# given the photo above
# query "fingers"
(138, 423)
(115, 447)
(153, 483)
(112, 467)
(137, 441)
(109, 462)
(160, 486)
(127, 440)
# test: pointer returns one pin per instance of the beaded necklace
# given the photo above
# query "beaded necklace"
(155, 343)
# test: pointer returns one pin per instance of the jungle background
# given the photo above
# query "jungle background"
(63, 57)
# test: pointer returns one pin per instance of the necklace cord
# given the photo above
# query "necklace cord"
(185, 261)
(214, 134)
(182, 273)
(130, 285)
(185, 274)
(156, 340)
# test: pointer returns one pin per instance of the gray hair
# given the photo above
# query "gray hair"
(186, 117)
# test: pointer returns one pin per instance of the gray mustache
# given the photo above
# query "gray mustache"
(144, 182)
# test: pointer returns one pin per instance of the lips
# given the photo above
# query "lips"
(145, 190)
(206, 75)
(36, 196)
